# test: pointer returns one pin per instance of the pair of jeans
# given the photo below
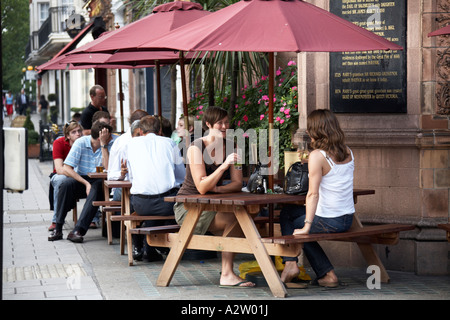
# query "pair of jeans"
(56, 181)
(293, 217)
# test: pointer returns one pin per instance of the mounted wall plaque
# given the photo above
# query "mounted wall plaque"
(370, 81)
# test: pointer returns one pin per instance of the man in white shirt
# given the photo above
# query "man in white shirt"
(156, 170)
(117, 153)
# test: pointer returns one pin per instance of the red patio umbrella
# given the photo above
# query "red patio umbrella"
(164, 18)
(271, 26)
(439, 32)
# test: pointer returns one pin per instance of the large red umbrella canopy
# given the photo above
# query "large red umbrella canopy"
(440, 32)
(271, 26)
(164, 18)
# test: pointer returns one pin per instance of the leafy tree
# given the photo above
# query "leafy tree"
(15, 24)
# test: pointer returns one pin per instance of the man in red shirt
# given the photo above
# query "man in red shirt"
(61, 147)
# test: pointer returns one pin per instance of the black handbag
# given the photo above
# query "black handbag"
(296, 181)
(255, 182)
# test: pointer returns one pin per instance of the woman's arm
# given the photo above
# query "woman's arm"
(206, 183)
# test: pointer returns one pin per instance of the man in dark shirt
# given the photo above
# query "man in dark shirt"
(98, 101)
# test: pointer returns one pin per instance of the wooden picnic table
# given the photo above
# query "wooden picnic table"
(124, 207)
(245, 206)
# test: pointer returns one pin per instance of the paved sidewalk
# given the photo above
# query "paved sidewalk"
(36, 269)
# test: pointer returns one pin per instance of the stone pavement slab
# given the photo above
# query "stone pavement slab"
(34, 268)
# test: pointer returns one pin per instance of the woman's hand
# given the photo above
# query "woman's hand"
(304, 230)
(231, 159)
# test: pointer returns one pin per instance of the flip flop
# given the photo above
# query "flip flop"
(237, 285)
(295, 285)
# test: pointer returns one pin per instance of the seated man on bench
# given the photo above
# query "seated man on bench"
(329, 202)
(156, 170)
(86, 153)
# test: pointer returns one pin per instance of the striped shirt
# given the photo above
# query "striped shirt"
(82, 157)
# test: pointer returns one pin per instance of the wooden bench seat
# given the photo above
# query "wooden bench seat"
(388, 231)
(107, 203)
(135, 217)
(156, 230)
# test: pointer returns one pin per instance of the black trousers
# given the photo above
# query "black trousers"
(70, 190)
(152, 207)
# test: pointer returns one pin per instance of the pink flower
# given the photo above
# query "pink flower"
(278, 73)
(236, 106)
(287, 111)
(245, 118)
(245, 135)
(243, 96)
(265, 97)
(277, 119)
(200, 112)
(261, 117)
(200, 107)
(264, 77)
(288, 116)
(282, 109)
(281, 121)
(291, 63)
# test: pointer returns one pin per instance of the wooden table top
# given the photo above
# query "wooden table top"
(246, 198)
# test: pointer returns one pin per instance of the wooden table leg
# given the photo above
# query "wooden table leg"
(369, 252)
(267, 267)
(125, 210)
(178, 248)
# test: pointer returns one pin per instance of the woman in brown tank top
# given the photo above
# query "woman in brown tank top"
(207, 164)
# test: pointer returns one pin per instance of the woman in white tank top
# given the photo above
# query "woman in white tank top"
(329, 202)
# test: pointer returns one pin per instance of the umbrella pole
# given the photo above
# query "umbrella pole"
(121, 101)
(158, 86)
(184, 91)
(271, 92)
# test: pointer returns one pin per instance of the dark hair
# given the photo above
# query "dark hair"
(93, 90)
(323, 126)
(100, 114)
(138, 115)
(150, 124)
(212, 115)
(98, 126)
(166, 127)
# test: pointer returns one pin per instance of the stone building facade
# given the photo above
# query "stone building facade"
(405, 157)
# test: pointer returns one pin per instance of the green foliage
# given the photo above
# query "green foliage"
(52, 97)
(33, 137)
(15, 36)
(28, 124)
(252, 106)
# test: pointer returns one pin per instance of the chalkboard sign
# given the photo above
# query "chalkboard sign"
(370, 81)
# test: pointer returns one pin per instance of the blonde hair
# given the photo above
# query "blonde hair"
(69, 127)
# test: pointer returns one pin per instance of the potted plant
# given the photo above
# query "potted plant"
(53, 107)
(253, 104)
(33, 138)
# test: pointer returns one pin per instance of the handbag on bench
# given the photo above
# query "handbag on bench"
(296, 181)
